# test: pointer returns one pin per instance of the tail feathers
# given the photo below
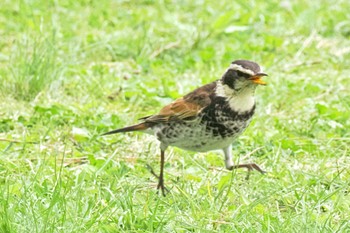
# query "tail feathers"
(137, 127)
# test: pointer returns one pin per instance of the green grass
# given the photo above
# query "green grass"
(71, 70)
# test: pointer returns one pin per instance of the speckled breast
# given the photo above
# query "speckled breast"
(214, 128)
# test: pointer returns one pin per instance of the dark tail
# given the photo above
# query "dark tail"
(138, 127)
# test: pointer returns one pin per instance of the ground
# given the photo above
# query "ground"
(71, 70)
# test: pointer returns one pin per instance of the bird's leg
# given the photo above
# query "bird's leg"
(228, 157)
(230, 166)
(161, 174)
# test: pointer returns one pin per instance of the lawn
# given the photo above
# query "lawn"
(71, 70)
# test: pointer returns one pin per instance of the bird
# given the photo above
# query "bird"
(209, 118)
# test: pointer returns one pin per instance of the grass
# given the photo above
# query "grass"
(71, 70)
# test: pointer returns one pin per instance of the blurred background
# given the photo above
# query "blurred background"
(71, 70)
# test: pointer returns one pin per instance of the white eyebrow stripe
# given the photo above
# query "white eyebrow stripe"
(240, 68)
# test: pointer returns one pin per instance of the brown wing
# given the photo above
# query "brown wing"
(185, 108)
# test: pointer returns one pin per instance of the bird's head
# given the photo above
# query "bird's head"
(243, 74)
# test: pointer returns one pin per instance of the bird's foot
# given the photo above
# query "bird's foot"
(160, 181)
(250, 167)
(162, 187)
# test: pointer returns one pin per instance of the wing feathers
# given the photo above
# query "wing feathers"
(185, 108)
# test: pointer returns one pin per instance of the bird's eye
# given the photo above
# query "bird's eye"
(241, 74)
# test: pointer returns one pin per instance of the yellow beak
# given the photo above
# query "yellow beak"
(257, 78)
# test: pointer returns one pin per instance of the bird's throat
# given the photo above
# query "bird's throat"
(240, 101)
